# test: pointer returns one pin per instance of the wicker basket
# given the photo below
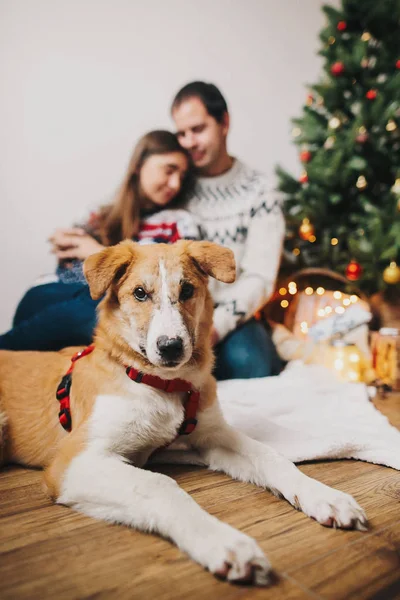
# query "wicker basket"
(330, 290)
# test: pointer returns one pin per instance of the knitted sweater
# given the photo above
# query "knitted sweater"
(166, 226)
(239, 210)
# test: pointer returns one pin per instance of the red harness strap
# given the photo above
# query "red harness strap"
(63, 390)
(172, 385)
(167, 385)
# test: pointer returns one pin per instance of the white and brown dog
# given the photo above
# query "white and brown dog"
(148, 385)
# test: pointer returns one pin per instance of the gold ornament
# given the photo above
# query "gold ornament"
(361, 183)
(334, 123)
(391, 125)
(396, 186)
(306, 229)
(331, 40)
(366, 36)
(391, 274)
(329, 142)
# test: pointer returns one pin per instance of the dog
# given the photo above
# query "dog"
(145, 393)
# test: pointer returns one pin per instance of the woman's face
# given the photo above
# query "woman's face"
(161, 177)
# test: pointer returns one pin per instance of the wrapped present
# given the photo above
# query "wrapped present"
(386, 357)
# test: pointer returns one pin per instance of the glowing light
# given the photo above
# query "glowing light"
(284, 303)
(312, 239)
(292, 291)
(283, 291)
(321, 312)
(304, 326)
(309, 291)
(366, 36)
(328, 310)
(354, 358)
(337, 295)
(346, 301)
(296, 251)
(339, 310)
(320, 291)
(334, 241)
(353, 299)
(296, 131)
(353, 376)
(339, 364)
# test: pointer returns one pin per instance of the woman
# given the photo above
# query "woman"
(54, 315)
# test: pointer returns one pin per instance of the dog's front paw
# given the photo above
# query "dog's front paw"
(238, 559)
(331, 507)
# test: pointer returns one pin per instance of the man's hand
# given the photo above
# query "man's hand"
(73, 243)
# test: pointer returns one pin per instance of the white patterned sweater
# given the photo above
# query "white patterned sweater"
(239, 210)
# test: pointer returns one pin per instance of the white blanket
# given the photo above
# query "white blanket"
(307, 414)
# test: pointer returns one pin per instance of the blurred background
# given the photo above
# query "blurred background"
(83, 79)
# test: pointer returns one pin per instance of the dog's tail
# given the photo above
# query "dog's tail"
(3, 436)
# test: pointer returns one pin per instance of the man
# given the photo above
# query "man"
(235, 208)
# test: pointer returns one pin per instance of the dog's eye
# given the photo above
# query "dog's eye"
(187, 292)
(140, 294)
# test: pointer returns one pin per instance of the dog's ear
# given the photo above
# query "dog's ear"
(105, 267)
(214, 260)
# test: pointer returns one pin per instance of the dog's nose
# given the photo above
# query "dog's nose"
(171, 349)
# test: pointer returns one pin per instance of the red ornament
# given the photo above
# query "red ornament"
(303, 177)
(362, 138)
(309, 100)
(342, 26)
(337, 68)
(305, 156)
(398, 64)
(353, 270)
(371, 94)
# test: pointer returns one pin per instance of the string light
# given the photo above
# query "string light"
(391, 125)
(320, 291)
(337, 295)
(296, 131)
(304, 326)
(321, 312)
(339, 310)
(346, 301)
(283, 291)
(334, 241)
(284, 303)
(312, 239)
(328, 310)
(296, 251)
(366, 36)
(353, 299)
(309, 291)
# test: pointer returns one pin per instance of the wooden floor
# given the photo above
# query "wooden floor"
(49, 551)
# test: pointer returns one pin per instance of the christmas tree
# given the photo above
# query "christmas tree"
(343, 213)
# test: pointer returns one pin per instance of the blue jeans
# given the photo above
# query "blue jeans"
(52, 316)
(246, 353)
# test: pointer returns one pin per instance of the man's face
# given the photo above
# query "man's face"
(200, 133)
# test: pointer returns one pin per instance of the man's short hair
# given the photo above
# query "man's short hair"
(208, 94)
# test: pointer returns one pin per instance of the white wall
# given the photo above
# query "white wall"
(82, 79)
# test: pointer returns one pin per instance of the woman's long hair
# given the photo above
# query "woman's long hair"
(120, 220)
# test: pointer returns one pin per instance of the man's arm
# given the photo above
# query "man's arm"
(258, 269)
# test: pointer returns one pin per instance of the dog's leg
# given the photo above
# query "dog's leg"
(103, 486)
(225, 449)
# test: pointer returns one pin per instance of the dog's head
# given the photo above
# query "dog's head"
(157, 297)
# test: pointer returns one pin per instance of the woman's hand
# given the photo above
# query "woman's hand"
(73, 243)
